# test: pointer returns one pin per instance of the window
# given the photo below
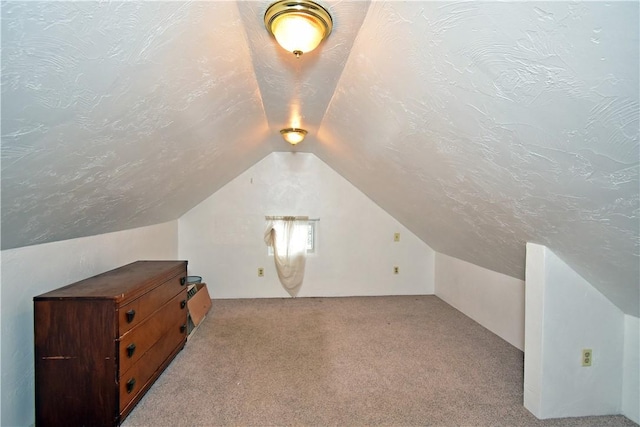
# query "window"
(311, 239)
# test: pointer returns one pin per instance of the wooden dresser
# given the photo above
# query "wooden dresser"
(102, 342)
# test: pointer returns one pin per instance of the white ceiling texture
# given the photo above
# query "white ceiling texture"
(479, 125)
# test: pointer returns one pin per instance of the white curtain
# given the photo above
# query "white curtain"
(288, 238)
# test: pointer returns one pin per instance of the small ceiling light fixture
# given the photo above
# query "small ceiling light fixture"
(298, 26)
(293, 135)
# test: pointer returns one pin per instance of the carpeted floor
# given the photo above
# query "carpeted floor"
(359, 361)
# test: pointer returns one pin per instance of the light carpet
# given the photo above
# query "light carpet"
(357, 361)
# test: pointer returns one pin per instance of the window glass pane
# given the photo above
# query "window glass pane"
(311, 237)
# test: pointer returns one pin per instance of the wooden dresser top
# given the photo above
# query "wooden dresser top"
(129, 281)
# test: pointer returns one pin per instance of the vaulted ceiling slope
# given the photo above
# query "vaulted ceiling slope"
(480, 125)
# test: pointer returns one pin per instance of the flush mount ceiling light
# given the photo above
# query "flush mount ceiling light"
(298, 26)
(293, 135)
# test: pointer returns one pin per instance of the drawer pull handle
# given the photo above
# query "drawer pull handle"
(183, 280)
(183, 328)
(131, 348)
(183, 303)
(130, 384)
(130, 315)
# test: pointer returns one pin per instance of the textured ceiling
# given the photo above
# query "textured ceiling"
(118, 115)
(480, 126)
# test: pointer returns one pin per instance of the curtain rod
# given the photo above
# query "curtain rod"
(273, 218)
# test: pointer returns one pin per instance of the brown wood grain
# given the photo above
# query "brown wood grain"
(151, 330)
(121, 284)
(79, 353)
(145, 305)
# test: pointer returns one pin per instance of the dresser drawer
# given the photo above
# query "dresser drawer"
(135, 343)
(150, 364)
(136, 311)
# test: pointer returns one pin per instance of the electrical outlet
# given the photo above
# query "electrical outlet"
(396, 269)
(587, 356)
(260, 272)
(396, 237)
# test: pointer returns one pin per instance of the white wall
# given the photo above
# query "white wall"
(565, 314)
(631, 369)
(494, 300)
(223, 236)
(533, 327)
(32, 270)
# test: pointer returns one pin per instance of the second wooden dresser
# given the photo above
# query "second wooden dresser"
(101, 343)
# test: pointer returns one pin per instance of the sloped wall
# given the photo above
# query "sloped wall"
(223, 236)
(32, 270)
(494, 300)
(565, 314)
